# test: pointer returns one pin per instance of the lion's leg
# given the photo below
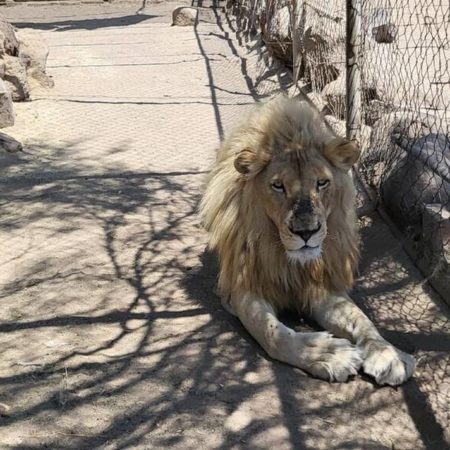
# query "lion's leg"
(318, 353)
(383, 361)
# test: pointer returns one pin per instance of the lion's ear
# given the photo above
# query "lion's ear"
(342, 153)
(249, 163)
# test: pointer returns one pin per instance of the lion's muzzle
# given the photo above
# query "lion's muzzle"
(305, 233)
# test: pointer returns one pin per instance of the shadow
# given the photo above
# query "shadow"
(85, 24)
(391, 292)
(111, 334)
(70, 196)
(211, 84)
(222, 20)
(418, 394)
(207, 3)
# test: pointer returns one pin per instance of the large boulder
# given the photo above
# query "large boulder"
(6, 107)
(8, 42)
(419, 176)
(416, 194)
(33, 52)
(23, 58)
(16, 78)
(407, 161)
(383, 153)
(323, 43)
(323, 54)
(277, 36)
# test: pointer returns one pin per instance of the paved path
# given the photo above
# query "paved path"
(110, 334)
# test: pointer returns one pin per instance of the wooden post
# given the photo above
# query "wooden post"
(297, 11)
(353, 73)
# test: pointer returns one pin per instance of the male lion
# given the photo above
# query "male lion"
(279, 206)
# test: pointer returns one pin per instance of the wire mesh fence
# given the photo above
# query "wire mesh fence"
(400, 100)
(110, 333)
(398, 91)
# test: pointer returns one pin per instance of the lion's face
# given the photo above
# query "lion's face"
(298, 188)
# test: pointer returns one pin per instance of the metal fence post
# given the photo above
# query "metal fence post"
(353, 73)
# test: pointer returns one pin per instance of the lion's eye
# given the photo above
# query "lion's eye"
(321, 184)
(278, 186)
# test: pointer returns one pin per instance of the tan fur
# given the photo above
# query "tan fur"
(279, 206)
(252, 257)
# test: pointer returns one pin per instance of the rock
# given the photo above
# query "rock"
(33, 52)
(322, 57)
(381, 151)
(324, 42)
(408, 161)
(279, 27)
(436, 228)
(16, 78)
(409, 164)
(6, 107)
(381, 26)
(385, 34)
(9, 144)
(434, 257)
(184, 16)
(334, 95)
(277, 35)
(339, 127)
(8, 42)
(414, 185)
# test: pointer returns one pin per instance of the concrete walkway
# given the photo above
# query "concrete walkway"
(110, 334)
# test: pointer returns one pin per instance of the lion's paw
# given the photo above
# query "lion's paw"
(387, 364)
(335, 360)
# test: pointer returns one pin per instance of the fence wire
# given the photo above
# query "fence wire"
(403, 54)
(404, 61)
(110, 335)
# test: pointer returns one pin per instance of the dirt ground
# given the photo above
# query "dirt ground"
(111, 336)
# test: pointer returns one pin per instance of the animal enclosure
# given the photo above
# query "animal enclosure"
(379, 71)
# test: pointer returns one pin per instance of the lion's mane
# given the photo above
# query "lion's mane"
(251, 256)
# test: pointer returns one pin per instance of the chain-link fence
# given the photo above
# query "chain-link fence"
(381, 68)
(110, 334)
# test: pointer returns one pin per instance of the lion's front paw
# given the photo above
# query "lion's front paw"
(334, 359)
(387, 364)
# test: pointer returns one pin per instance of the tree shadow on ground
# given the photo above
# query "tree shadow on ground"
(112, 267)
(157, 354)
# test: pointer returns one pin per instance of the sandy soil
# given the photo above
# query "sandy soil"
(110, 334)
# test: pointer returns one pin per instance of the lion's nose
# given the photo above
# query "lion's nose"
(305, 234)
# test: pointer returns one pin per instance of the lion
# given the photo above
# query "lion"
(279, 206)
